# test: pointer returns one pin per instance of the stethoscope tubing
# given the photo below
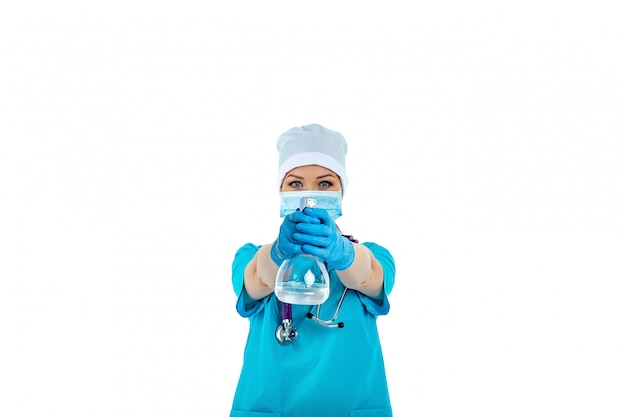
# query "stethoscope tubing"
(329, 323)
(287, 333)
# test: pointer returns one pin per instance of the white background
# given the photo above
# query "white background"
(487, 152)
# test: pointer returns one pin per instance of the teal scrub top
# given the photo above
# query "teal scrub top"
(325, 372)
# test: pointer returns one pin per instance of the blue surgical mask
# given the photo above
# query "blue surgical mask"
(330, 201)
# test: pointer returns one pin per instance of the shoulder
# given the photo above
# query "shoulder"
(379, 251)
(244, 255)
(247, 249)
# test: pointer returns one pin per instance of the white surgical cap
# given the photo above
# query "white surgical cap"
(312, 145)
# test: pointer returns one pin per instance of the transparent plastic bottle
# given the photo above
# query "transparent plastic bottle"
(302, 279)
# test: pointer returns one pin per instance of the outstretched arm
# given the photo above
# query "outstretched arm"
(260, 274)
(365, 274)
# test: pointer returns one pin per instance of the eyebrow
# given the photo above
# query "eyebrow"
(317, 178)
(326, 175)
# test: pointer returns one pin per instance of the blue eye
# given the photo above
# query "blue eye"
(295, 184)
(325, 184)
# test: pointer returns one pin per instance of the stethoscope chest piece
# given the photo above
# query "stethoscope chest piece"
(286, 333)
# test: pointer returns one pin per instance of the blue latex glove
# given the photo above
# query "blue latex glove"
(286, 246)
(321, 238)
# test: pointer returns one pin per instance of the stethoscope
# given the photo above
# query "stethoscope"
(287, 333)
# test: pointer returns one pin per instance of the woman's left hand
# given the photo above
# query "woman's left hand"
(324, 240)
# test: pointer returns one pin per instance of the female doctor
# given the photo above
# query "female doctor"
(326, 361)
